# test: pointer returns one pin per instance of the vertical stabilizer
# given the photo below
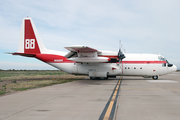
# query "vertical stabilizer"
(30, 42)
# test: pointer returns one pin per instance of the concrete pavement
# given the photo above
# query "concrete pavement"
(139, 99)
(150, 99)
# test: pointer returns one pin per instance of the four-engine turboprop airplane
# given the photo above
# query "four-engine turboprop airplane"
(83, 60)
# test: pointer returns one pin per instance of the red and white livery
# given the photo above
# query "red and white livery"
(83, 60)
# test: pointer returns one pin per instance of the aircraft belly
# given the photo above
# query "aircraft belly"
(67, 67)
(98, 69)
(85, 68)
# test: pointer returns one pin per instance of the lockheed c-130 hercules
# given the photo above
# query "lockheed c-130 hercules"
(84, 60)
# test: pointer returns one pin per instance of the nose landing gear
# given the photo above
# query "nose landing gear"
(155, 77)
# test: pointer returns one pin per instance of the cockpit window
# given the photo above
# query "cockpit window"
(167, 62)
(160, 58)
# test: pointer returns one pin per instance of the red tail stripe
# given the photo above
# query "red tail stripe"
(53, 58)
(29, 34)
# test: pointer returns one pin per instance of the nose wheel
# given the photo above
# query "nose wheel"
(155, 77)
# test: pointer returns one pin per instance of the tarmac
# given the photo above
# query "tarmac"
(136, 99)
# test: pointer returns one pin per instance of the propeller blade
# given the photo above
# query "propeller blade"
(121, 56)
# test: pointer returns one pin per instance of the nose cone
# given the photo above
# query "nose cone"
(172, 69)
(175, 68)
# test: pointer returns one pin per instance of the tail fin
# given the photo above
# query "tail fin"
(30, 42)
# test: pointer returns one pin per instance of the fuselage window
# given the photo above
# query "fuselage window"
(134, 67)
(125, 67)
(140, 67)
(128, 68)
(163, 64)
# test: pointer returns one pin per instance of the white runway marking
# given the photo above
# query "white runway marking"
(162, 81)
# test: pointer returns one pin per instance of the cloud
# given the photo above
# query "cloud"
(149, 26)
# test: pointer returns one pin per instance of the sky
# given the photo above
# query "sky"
(143, 26)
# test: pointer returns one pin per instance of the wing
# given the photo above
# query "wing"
(84, 54)
(83, 49)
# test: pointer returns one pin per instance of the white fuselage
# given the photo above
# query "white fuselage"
(132, 65)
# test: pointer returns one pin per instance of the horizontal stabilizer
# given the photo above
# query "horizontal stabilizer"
(24, 54)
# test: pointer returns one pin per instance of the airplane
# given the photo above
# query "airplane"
(84, 60)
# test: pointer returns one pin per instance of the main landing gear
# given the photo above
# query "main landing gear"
(100, 78)
(155, 77)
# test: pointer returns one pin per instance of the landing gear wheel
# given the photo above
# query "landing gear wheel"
(93, 78)
(155, 77)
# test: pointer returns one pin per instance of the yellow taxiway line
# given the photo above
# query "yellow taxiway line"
(109, 110)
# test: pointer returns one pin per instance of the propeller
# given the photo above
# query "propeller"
(121, 56)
